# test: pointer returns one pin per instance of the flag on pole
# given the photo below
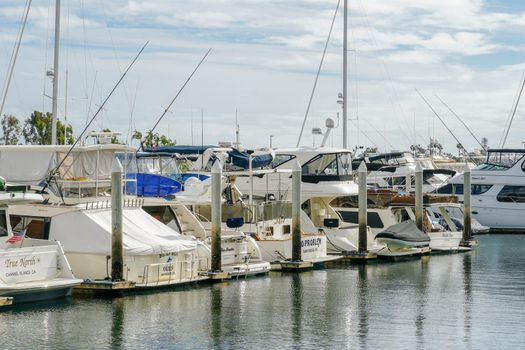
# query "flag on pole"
(18, 236)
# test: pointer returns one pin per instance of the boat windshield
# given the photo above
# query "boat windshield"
(329, 164)
(501, 160)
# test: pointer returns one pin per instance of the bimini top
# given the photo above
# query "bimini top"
(242, 159)
(180, 149)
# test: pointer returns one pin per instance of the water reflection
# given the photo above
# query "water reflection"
(216, 315)
(296, 293)
(117, 324)
(467, 301)
(362, 305)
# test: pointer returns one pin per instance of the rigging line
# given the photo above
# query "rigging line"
(166, 110)
(318, 73)
(14, 55)
(510, 112)
(385, 71)
(128, 99)
(462, 122)
(132, 111)
(513, 113)
(445, 125)
(54, 171)
(362, 132)
(382, 135)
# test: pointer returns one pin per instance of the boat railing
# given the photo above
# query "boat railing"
(82, 188)
(103, 204)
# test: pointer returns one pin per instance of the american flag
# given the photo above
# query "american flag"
(18, 236)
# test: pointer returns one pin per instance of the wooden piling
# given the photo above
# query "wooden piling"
(362, 216)
(419, 197)
(117, 250)
(296, 212)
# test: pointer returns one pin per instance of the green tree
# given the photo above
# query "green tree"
(11, 130)
(155, 140)
(37, 130)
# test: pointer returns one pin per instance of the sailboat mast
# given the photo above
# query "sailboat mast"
(345, 51)
(55, 74)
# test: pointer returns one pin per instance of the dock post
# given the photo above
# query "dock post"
(467, 211)
(419, 197)
(296, 212)
(408, 183)
(362, 216)
(216, 217)
(117, 250)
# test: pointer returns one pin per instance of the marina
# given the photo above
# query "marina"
(370, 221)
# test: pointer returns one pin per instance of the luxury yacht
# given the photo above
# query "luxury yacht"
(498, 190)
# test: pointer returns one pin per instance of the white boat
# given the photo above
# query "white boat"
(498, 190)
(240, 253)
(391, 208)
(154, 254)
(30, 269)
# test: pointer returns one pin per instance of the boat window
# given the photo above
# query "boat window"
(344, 163)
(37, 228)
(3, 223)
(164, 214)
(447, 189)
(373, 219)
(515, 194)
(280, 159)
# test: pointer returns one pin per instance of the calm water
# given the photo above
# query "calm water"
(474, 300)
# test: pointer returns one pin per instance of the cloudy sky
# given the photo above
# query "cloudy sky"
(265, 54)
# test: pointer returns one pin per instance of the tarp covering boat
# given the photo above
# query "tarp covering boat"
(242, 159)
(406, 231)
(180, 149)
(151, 185)
(143, 235)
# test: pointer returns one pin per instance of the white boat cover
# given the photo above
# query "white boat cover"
(89, 231)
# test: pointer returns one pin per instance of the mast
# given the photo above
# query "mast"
(55, 74)
(345, 50)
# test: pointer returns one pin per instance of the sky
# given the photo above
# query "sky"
(263, 64)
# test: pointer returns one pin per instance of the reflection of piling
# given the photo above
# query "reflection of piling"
(117, 250)
(216, 208)
(419, 197)
(467, 191)
(296, 212)
(362, 218)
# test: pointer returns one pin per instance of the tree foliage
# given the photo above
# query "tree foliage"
(154, 139)
(37, 130)
(11, 130)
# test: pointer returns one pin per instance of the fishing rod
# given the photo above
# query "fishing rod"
(318, 73)
(55, 170)
(166, 110)
(465, 125)
(445, 125)
(515, 107)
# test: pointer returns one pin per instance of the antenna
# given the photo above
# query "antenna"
(237, 134)
(202, 138)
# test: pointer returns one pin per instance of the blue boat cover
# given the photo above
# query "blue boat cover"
(151, 185)
(181, 149)
(242, 159)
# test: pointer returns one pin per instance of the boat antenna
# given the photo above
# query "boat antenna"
(445, 125)
(79, 137)
(167, 109)
(515, 107)
(318, 73)
(462, 122)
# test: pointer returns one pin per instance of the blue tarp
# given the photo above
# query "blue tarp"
(242, 160)
(152, 185)
(181, 149)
